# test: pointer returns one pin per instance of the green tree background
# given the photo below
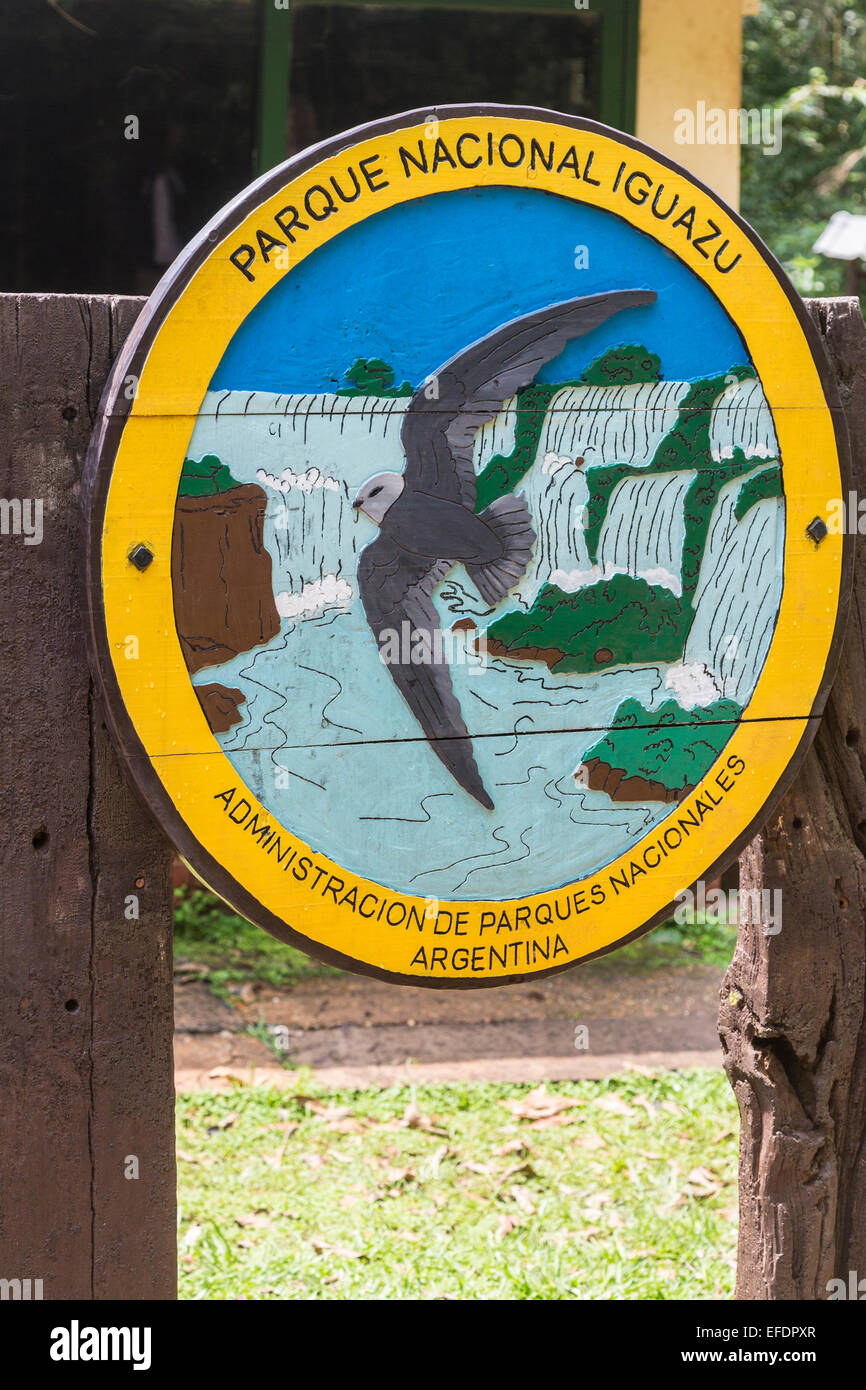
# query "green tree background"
(808, 62)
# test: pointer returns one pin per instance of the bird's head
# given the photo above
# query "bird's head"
(378, 494)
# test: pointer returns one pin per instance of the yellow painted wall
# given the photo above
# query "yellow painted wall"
(690, 51)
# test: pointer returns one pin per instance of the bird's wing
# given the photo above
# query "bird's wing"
(445, 413)
(395, 590)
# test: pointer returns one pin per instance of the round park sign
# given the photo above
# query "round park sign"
(458, 582)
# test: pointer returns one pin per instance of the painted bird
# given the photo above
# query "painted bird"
(427, 519)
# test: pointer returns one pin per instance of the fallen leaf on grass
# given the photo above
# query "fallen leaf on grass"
(338, 1118)
(333, 1114)
(225, 1123)
(615, 1105)
(401, 1176)
(553, 1121)
(538, 1105)
(440, 1155)
(340, 1252)
(351, 1199)
(507, 1224)
(275, 1160)
(257, 1219)
(412, 1116)
(516, 1169)
(187, 1158)
(473, 1196)
(587, 1233)
(596, 1200)
(514, 1146)
(703, 1182)
(523, 1198)
(190, 967)
(589, 1141)
(413, 1119)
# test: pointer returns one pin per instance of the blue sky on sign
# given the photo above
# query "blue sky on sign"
(416, 283)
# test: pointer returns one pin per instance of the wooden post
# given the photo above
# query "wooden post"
(87, 1191)
(793, 1013)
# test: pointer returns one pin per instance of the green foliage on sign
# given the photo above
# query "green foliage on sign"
(618, 366)
(670, 745)
(625, 620)
(620, 621)
(206, 477)
(686, 447)
(503, 472)
(623, 366)
(370, 376)
(757, 489)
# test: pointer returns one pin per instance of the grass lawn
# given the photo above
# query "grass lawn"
(615, 1189)
(213, 943)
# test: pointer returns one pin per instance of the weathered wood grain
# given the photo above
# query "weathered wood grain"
(793, 1012)
(86, 1038)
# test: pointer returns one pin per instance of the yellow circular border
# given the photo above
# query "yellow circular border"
(152, 677)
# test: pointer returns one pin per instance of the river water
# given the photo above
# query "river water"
(329, 745)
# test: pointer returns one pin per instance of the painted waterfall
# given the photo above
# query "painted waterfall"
(651, 597)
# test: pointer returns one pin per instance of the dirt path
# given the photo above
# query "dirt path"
(355, 1032)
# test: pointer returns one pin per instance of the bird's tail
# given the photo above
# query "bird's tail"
(509, 518)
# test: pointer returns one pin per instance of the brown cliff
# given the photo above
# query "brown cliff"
(601, 777)
(221, 705)
(221, 575)
(551, 656)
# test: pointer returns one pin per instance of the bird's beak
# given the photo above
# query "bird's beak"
(356, 508)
